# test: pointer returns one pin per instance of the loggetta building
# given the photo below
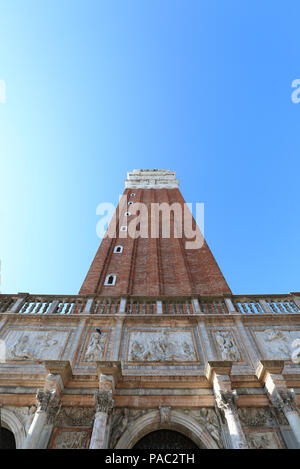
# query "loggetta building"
(155, 351)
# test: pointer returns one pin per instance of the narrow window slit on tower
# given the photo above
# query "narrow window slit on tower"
(110, 280)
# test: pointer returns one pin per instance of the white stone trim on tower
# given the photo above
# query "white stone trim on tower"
(151, 179)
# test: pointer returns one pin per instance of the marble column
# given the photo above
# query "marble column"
(48, 404)
(269, 372)
(217, 373)
(104, 405)
(284, 400)
(226, 403)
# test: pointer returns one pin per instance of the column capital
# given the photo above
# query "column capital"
(284, 399)
(104, 401)
(47, 401)
(226, 400)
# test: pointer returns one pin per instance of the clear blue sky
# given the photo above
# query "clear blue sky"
(95, 88)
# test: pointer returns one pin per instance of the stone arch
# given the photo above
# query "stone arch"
(11, 422)
(178, 421)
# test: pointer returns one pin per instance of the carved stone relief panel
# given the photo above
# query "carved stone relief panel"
(121, 419)
(94, 347)
(264, 439)
(209, 420)
(257, 417)
(70, 438)
(35, 343)
(25, 414)
(75, 416)
(226, 345)
(276, 342)
(165, 345)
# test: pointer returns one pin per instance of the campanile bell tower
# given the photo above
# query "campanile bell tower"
(153, 262)
(155, 352)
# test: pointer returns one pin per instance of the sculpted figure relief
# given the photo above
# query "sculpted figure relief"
(31, 348)
(96, 347)
(227, 347)
(121, 419)
(256, 417)
(72, 440)
(165, 413)
(208, 419)
(264, 440)
(161, 346)
(276, 342)
(279, 343)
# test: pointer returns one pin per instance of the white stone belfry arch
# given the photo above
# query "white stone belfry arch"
(11, 422)
(178, 421)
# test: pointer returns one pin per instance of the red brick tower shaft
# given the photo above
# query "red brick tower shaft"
(152, 266)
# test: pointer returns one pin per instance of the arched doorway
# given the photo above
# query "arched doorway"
(178, 422)
(7, 439)
(165, 439)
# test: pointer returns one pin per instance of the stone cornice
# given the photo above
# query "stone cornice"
(151, 179)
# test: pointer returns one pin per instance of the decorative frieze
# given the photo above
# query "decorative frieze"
(70, 438)
(165, 345)
(75, 417)
(264, 439)
(256, 417)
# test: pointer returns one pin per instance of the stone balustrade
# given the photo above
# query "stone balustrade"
(24, 303)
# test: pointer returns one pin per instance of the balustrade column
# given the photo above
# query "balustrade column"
(48, 404)
(19, 302)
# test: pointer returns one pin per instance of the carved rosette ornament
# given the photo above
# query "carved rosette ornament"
(284, 399)
(104, 401)
(48, 402)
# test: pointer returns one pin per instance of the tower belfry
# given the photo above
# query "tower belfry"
(155, 352)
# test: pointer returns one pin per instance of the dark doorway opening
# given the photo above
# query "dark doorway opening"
(7, 439)
(165, 439)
